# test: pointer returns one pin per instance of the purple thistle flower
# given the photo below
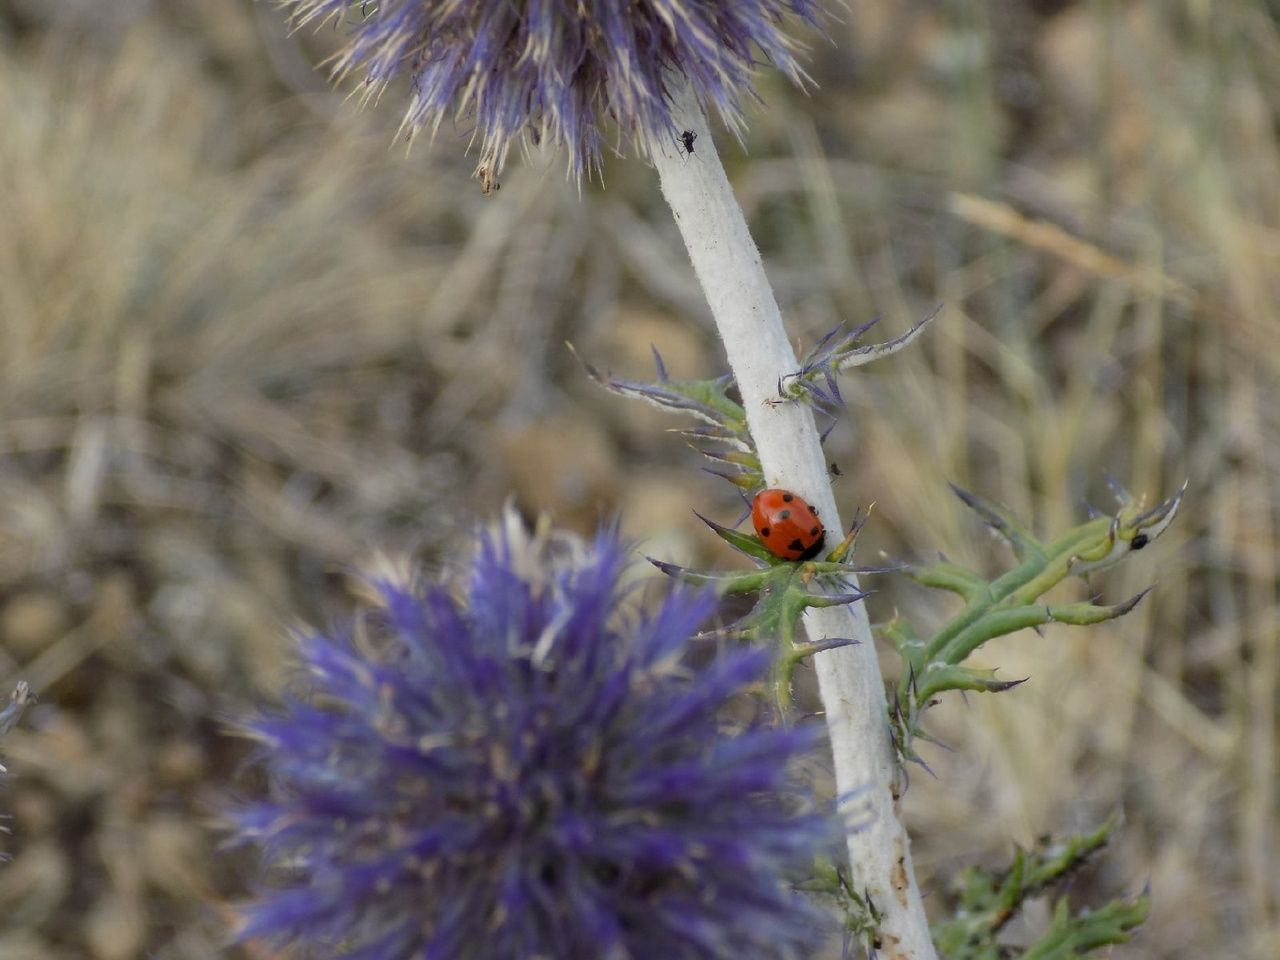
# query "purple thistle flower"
(522, 768)
(553, 70)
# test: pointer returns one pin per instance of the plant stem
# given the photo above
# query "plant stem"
(868, 778)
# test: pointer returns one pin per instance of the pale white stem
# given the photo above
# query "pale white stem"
(728, 265)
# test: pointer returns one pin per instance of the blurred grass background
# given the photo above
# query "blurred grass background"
(246, 342)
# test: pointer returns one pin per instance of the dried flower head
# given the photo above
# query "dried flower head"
(524, 769)
(553, 70)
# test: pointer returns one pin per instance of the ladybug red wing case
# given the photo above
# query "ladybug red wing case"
(786, 525)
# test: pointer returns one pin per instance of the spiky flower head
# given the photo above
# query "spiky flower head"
(554, 70)
(526, 768)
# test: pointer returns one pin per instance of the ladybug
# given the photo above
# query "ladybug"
(788, 527)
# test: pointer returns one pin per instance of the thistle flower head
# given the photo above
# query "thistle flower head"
(522, 768)
(554, 70)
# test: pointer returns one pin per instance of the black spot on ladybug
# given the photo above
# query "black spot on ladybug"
(815, 510)
(784, 514)
(796, 545)
(814, 531)
(1138, 542)
(787, 498)
(764, 531)
(812, 550)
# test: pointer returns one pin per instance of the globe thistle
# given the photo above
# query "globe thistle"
(522, 768)
(555, 69)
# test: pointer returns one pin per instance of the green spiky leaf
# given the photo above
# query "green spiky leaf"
(1010, 602)
(784, 590)
(722, 436)
(989, 901)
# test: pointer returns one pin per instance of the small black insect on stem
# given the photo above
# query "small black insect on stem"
(687, 137)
